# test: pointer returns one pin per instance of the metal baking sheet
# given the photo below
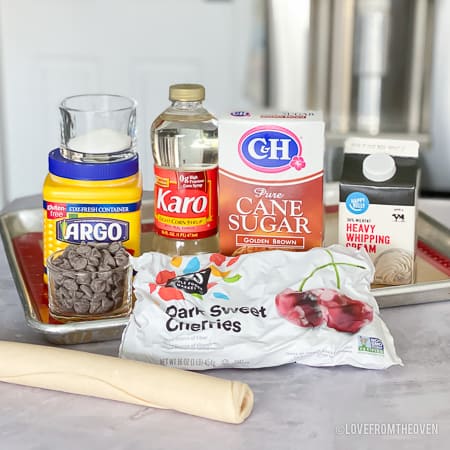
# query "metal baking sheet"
(21, 231)
(21, 228)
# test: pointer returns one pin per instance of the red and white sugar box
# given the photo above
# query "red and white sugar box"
(270, 181)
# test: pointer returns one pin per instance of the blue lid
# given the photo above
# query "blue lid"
(65, 168)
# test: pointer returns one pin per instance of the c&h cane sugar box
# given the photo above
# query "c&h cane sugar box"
(270, 181)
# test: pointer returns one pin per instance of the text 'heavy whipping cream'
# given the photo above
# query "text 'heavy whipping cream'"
(377, 205)
(270, 181)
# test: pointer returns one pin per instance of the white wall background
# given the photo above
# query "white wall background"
(51, 49)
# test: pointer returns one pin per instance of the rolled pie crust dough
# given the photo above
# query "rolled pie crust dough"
(125, 381)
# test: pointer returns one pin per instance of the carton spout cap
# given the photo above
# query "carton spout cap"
(379, 167)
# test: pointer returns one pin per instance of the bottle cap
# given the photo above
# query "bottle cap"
(379, 167)
(187, 92)
(66, 168)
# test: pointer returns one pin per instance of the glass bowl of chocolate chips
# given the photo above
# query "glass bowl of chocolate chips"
(89, 281)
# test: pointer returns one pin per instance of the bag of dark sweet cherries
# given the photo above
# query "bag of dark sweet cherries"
(257, 310)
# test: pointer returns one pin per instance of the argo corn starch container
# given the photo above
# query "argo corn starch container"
(91, 202)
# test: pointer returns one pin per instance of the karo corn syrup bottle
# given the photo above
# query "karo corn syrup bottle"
(185, 145)
(93, 190)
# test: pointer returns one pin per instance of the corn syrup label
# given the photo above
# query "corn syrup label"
(185, 203)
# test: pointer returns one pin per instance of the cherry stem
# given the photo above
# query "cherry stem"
(332, 263)
(338, 278)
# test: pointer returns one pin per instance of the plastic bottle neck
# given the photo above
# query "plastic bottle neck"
(178, 104)
(186, 110)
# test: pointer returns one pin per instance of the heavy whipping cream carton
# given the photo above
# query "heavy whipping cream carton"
(270, 181)
(377, 205)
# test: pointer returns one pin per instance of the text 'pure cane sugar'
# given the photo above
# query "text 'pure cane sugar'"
(270, 181)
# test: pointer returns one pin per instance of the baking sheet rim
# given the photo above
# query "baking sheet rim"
(29, 311)
(385, 295)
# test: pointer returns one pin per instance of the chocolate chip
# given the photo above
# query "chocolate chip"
(95, 307)
(108, 260)
(114, 247)
(79, 263)
(81, 306)
(98, 285)
(84, 278)
(87, 290)
(94, 261)
(121, 259)
(88, 279)
(70, 284)
(84, 250)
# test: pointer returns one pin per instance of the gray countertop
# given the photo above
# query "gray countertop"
(296, 407)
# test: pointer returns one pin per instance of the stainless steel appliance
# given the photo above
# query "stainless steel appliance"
(368, 64)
